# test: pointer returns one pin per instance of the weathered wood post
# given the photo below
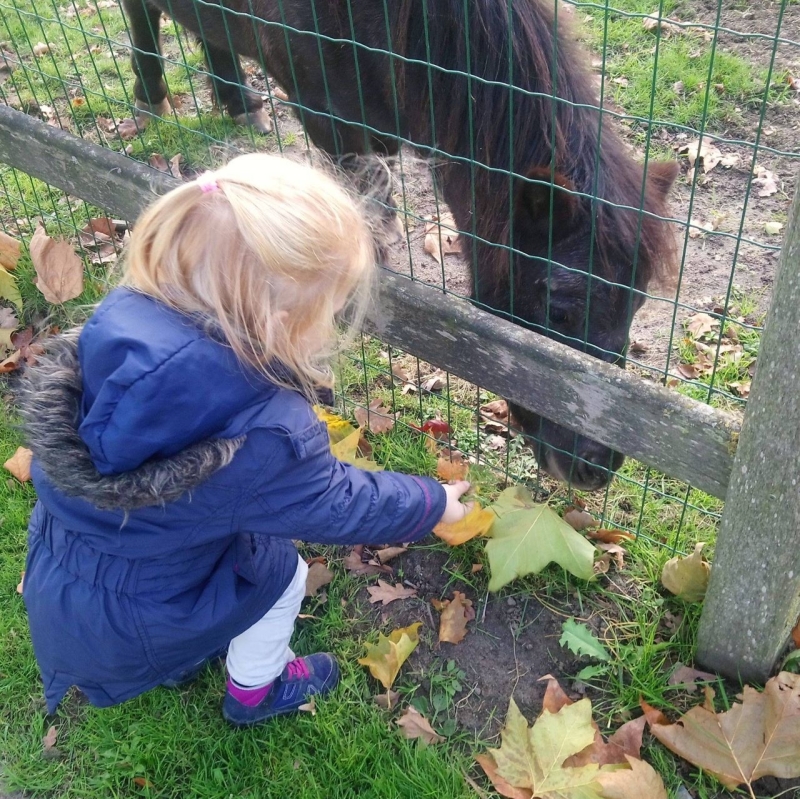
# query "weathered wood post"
(753, 599)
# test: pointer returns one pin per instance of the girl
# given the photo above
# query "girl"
(177, 453)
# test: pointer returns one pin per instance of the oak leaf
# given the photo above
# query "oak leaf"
(385, 658)
(59, 270)
(687, 577)
(414, 725)
(10, 250)
(19, 464)
(376, 418)
(456, 612)
(385, 593)
(477, 522)
(527, 536)
(756, 738)
(318, 575)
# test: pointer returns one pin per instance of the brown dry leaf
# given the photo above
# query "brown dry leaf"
(376, 418)
(602, 564)
(386, 701)
(706, 152)
(435, 382)
(687, 577)
(21, 583)
(766, 180)
(759, 737)
(579, 519)
(688, 371)
(128, 129)
(49, 751)
(610, 536)
(279, 94)
(142, 782)
(389, 553)
(441, 238)
(497, 411)
(386, 592)
(414, 725)
(19, 464)
(355, 564)
(478, 567)
(477, 522)
(10, 250)
(100, 225)
(614, 551)
(795, 635)
(452, 469)
(318, 575)
(59, 271)
(456, 612)
(701, 324)
(688, 676)
(309, 707)
(653, 22)
(641, 781)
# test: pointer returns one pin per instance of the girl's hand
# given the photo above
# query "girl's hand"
(455, 510)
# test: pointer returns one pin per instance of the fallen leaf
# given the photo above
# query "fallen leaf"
(641, 781)
(437, 428)
(687, 577)
(503, 787)
(414, 725)
(142, 782)
(456, 612)
(653, 23)
(441, 238)
(318, 575)
(795, 634)
(706, 153)
(478, 567)
(21, 583)
(729, 160)
(533, 758)
(434, 383)
(386, 554)
(9, 289)
(19, 464)
(773, 228)
(309, 707)
(279, 94)
(49, 751)
(688, 676)
(477, 522)
(579, 519)
(128, 129)
(688, 371)
(756, 738)
(59, 271)
(496, 411)
(581, 641)
(385, 592)
(40, 49)
(10, 250)
(452, 469)
(347, 451)
(614, 551)
(376, 418)
(602, 564)
(385, 658)
(386, 701)
(610, 536)
(701, 324)
(527, 536)
(355, 564)
(767, 181)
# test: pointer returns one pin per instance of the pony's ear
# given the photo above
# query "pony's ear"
(661, 175)
(533, 200)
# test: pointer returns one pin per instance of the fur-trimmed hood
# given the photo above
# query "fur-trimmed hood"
(51, 394)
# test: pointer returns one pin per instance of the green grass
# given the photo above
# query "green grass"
(687, 83)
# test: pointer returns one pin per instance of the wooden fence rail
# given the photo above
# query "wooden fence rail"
(685, 439)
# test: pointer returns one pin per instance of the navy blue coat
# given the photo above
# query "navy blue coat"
(171, 482)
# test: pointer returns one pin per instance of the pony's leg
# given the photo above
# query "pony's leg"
(150, 89)
(229, 85)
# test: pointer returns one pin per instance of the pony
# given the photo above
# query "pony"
(565, 228)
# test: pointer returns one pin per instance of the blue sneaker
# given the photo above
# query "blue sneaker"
(298, 682)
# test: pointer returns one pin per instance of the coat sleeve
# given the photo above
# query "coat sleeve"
(305, 493)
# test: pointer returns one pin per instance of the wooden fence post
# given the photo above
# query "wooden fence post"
(753, 599)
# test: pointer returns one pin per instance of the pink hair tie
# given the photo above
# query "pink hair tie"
(207, 182)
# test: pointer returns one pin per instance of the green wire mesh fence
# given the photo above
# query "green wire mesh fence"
(710, 86)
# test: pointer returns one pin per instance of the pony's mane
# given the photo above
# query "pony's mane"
(522, 53)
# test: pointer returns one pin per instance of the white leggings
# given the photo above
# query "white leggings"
(261, 652)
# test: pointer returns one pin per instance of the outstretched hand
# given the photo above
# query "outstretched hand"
(456, 510)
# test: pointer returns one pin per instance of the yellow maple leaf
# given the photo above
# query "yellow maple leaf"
(477, 522)
(385, 658)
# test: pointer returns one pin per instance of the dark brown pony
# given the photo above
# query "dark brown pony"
(563, 234)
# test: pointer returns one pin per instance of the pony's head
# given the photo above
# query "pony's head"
(581, 267)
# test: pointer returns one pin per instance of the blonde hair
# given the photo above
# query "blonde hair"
(268, 250)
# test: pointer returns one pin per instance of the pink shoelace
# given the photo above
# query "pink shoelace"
(298, 670)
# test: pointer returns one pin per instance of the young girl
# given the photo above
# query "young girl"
(177, 454)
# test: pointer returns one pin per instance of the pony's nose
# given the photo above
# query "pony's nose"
(595, 467)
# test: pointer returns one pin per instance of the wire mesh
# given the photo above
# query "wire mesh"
(713, 88)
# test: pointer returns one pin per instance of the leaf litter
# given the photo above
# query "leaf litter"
(456, 612)
(59, 271)
(414, 726)
(385, 658)
(687, 577)
(385, 593)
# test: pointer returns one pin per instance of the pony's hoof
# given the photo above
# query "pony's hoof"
(145, 111)
(259, 120)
